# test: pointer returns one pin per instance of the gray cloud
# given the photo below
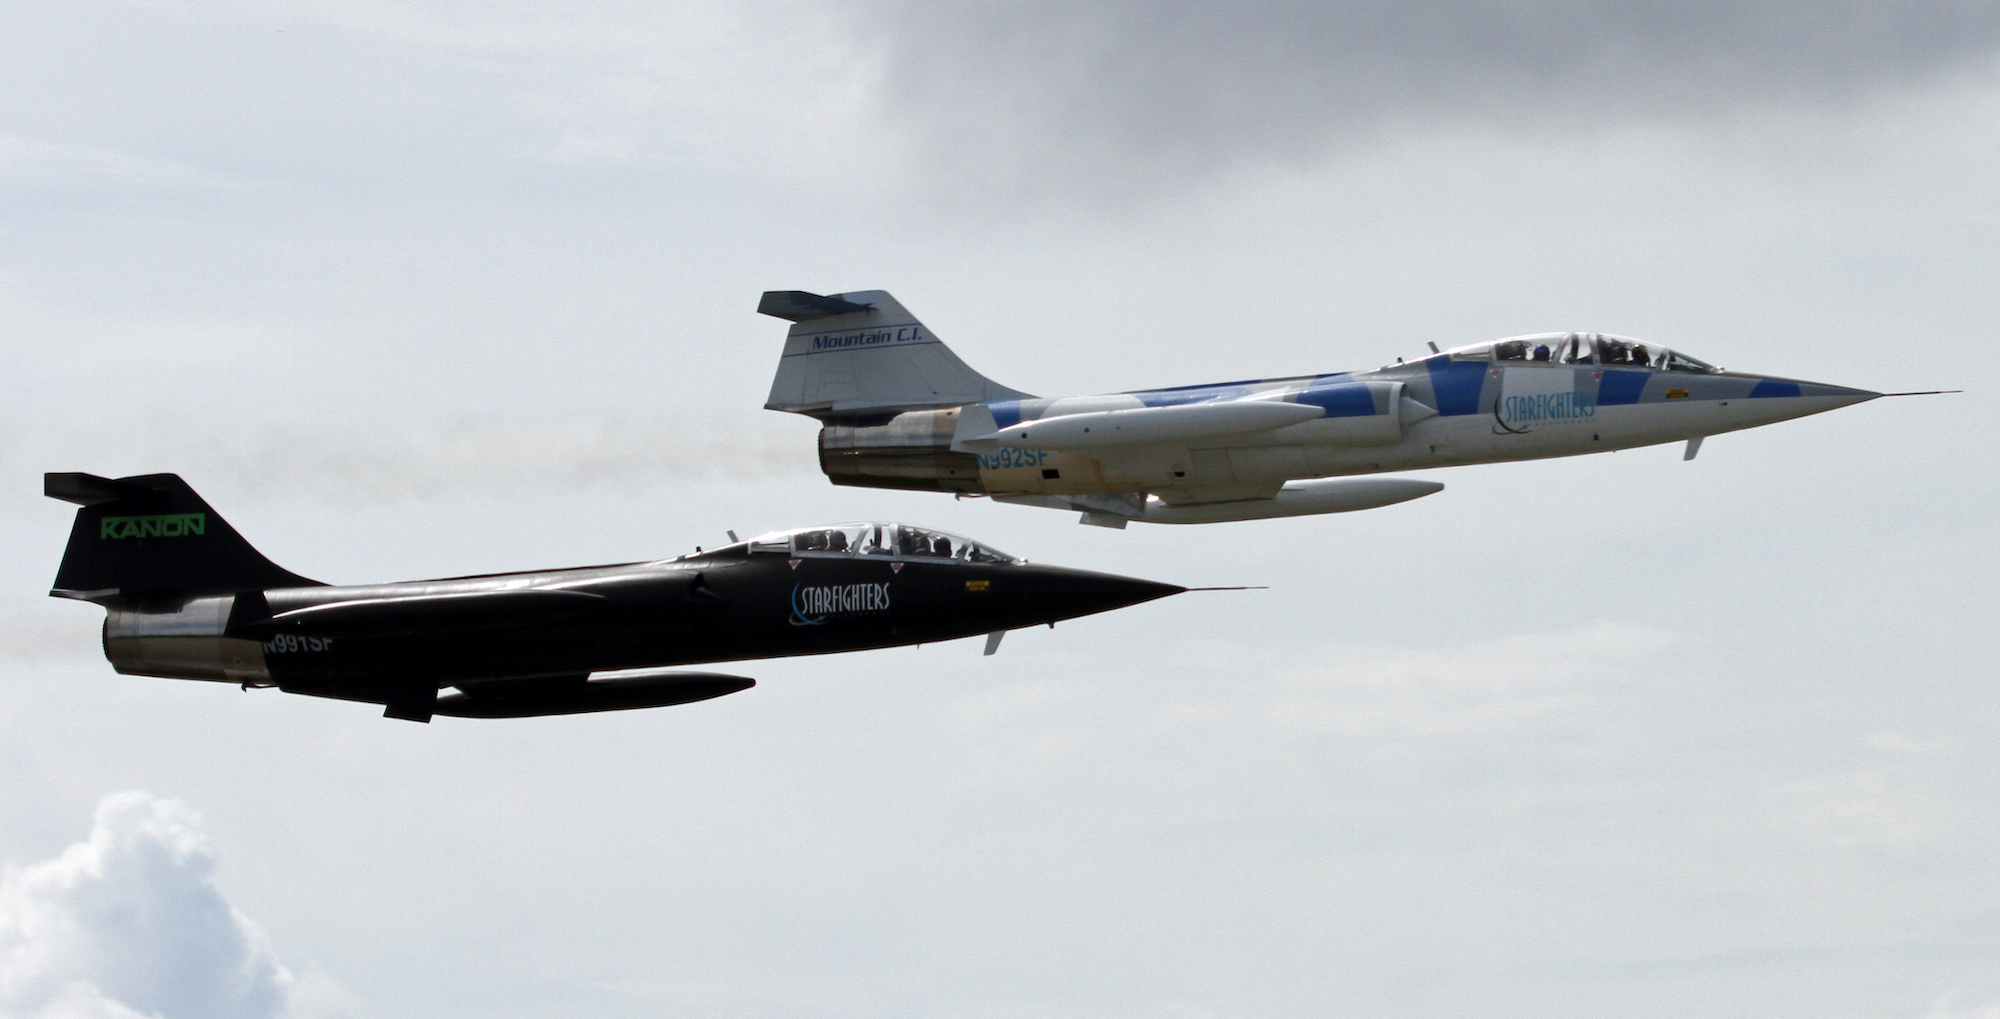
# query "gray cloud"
(1038, 88)
(130, 923)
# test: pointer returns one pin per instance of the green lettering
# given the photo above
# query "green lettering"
(163, 525)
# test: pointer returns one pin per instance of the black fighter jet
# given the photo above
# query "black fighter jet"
(187, 598)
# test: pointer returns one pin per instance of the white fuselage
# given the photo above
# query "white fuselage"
(1444, 411)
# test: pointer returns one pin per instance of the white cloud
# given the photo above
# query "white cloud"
(1396, 708)
(1954, 1006)
(38, 635)
(38, 161)
(1884, 810)
(80, 1000)
(359, 465)
(130, 923)
(1904, 743)
(1486, 688)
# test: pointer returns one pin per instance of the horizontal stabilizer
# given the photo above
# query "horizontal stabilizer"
(383, 617)
(526, 698)
(800, 306)
(1153, 424)
(88, 489)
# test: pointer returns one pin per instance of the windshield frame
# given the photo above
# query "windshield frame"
(1580, 350)
(886, 540)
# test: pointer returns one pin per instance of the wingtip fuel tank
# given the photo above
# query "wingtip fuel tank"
(1295, 499)
(576, 695)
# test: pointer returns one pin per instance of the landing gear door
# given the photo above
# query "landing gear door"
(1537, 396)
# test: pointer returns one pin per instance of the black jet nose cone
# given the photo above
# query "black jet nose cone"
(1058, 593)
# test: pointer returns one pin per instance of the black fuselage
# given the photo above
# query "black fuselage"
(186, 597)
(727, 605)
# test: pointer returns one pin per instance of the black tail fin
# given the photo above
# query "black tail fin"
(151, 534)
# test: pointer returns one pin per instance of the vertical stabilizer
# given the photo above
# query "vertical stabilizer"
(862, 353)
(151, 534)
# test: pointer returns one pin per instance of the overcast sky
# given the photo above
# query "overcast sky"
(418, 290)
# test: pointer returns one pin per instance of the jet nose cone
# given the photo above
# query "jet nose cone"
(1065, 594)
(1822, 395)
(1769, 399)
(1838, 396)
(1125, 591)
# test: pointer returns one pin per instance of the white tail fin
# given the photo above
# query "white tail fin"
(862, 353)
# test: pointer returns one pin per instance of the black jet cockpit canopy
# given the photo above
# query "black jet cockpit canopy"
(1581, 348)
(877, 538)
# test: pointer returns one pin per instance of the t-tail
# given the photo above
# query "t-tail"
(861, 355)
(151, 536)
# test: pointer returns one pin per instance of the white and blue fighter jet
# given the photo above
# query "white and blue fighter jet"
(900, 410)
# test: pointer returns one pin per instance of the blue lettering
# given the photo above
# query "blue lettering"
(1550, 406)
(1008, 458)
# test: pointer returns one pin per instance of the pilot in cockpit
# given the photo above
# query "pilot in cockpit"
(1581, 349)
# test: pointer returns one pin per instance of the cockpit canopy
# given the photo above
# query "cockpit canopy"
(1581, 348)
(886, 540)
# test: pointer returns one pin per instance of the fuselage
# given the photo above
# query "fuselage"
(186, 597)
(1520, 399)
(793, 593)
